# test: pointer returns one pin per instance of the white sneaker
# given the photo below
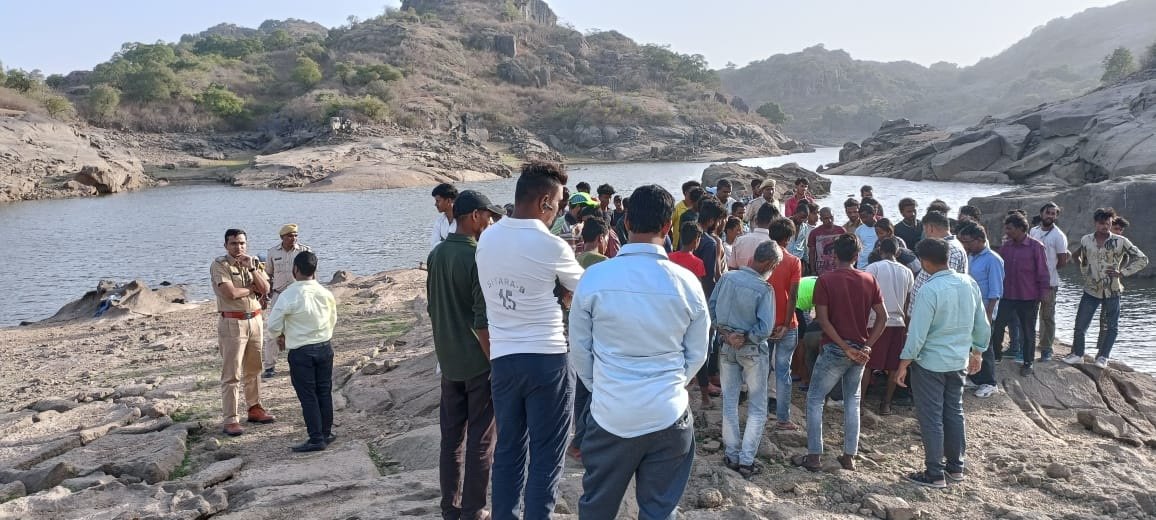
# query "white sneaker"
(985, 391)
(1102, 362)
(1073, 359)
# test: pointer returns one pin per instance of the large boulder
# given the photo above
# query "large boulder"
(974, 156)
(1130, 196)
(784, 176)
(113, 301)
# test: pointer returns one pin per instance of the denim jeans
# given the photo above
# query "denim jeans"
(311, 372)
(1025, 311)
(751, 365)
(783, 353)
(939, 408)
(533, 403)
(1109, 320)
(833, 367)
(659, 463)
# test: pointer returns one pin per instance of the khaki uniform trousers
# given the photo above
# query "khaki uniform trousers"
(240, 344)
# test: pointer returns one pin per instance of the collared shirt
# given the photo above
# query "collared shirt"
(1026, 270)
(222, 270)
(1094, 262)
(956, 260)
(1055, 243)
(745, 245)
(798, 244)
(639, 330)
(305, 313)
(754, 205)
(948, 320)
(986, 268)
(279, 266)
(744, 302)
(456, 308)
(519, 264)
(850, 227)
(442, 227)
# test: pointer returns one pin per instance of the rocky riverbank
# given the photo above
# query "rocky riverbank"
(121, 417)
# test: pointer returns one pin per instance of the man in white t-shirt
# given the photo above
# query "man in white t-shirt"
(866, 233)
(520, 263)
(1056, 245)
(443, 224)
(895, 281)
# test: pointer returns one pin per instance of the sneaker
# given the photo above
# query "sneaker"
(1026, 370)
(1046, 356)
(923, 479)
(1102, 362)
(269, 372)
(956, 476)
(1073, 359)
(985, 391)
(749, 471)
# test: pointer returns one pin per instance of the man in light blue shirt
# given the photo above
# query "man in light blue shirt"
(986, 268)
(866, 233)
(947, 322)
(742, 307)
(639, 330)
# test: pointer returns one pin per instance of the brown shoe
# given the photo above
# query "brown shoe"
(259, 415)
(807, 462)
(847, 461)
(232, 429)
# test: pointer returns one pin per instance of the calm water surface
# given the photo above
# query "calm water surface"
(54, 251)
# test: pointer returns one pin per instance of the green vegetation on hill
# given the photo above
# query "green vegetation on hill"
(497, 63)
(830, 95)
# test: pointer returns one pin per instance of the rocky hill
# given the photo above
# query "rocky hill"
(832, 96)
(120, 417)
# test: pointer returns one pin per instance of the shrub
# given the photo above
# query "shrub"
(307, 72)
(220, 101)
(278, 40)
(1118, 65)
(57, 105)
(228, 47)
(151, 83)
(773, 113)
(102, 101)
(55, 81)
(1150, 57)
(379, 89)
(19, 81)
(382, 71)
(369, 107)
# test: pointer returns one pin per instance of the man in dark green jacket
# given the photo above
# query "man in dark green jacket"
(457, 311)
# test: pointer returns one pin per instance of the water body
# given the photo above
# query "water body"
(54, 251)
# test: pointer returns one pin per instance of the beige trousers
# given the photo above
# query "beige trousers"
(240, 343)
(271, 350)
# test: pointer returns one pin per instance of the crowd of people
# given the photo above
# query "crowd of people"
(572, 324)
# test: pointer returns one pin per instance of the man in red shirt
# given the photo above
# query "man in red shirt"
(784, 282)
(844, 299)
(800, 195)
(691, 236)
(821, 241)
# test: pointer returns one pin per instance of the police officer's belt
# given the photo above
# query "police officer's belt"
(241, 315)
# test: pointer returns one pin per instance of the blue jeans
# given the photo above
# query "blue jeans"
(939, 408)
(783, 351)
(533, 401)
(1109, 320)
(659, 463)
(833, 367)
(750, 364)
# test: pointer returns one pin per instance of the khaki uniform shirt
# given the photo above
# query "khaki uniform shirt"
(222, 270)
(279, 267)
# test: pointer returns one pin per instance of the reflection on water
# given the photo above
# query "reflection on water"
(57, 250)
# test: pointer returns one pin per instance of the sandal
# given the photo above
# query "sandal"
(807, 462)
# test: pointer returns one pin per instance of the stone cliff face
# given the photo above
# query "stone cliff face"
(1106, 134)
(536, 11)
(45, 158)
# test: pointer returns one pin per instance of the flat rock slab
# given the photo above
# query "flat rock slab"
(216, 473)
(152, 457)
(1056, 386)
(14, 421)
(413, 495)
(350, 461)
(24, 457)
(415, 449)
(145, 426)
(52, 425)
(115, 501)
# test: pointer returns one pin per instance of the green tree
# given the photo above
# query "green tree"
(307, 72)
(19, 80)
(3, 75)
(1150, 57)
(151, 83)
(102, 101)
(57, 105)
(145, 54)
(278, 40)
(220, 101)
(773, 113)
(55, 81)
(1118, 65)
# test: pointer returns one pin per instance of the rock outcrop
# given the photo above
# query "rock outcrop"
(117, 301)
(1130, 196)
(784, 177)
(676, 141)
(1105, 134)
(45, 158)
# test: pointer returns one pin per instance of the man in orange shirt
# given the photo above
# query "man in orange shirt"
(784, 282)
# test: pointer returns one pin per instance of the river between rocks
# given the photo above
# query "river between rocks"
(56, 250)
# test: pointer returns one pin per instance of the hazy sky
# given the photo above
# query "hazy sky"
(64, 35)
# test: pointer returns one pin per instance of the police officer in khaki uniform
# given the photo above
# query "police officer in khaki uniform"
(239, 281)
(280, 271)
